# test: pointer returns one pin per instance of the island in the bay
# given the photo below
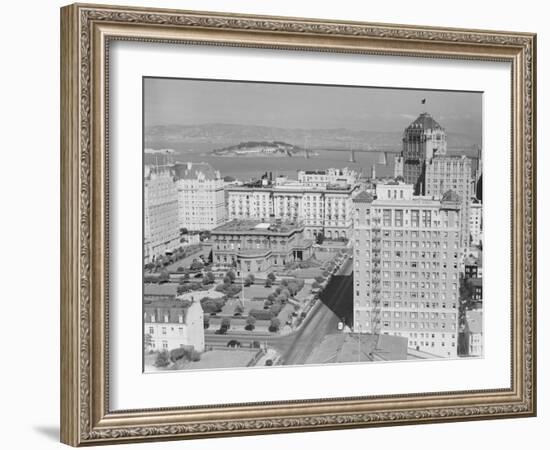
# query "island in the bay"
(263, 148)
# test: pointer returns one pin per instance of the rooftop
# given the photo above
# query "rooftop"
(291, 185)
(257, 227)
(477, 282)
(474, 321)
(451, 197)
(191, 171)
(364, 197)
(424, 121)
(159, 309)
(160, 290)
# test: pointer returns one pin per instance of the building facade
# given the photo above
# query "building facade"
(252, 246)
(323, 210)
(330, 176)
(160, 201)
(422, 140)
(399, 167)
(473, 332)
(476, 222)
(444, 173)
(406, 267)
(200, 193)
(173, 323)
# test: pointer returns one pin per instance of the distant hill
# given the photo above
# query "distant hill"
(258, 148)
(219, 135)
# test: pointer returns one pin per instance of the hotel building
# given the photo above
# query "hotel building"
(200, 193)
(406, 267)
(253, 246)
(327, 210)
(161, 232)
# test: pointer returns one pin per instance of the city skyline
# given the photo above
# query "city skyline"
(310, 255)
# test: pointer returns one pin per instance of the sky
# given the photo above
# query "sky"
(196, 102)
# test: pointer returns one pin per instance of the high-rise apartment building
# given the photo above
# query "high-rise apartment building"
(161, 232)
(201, 199)
(445, 173)
(406, 267)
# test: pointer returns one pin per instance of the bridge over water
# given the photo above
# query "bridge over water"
(382, 153)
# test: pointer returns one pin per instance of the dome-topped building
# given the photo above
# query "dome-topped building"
(423, 139)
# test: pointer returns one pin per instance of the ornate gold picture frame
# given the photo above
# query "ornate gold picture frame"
(87, 32)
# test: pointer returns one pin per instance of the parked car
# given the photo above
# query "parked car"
(255, 344)
(234, 343)
(269, 362)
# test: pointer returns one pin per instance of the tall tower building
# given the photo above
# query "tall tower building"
(406, 267)
(422, 140)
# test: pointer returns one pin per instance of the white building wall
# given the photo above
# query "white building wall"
(406, 270)
(161, 232)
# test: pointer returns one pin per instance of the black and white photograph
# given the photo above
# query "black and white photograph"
(303, 224)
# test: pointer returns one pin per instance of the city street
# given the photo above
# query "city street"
(336, 303)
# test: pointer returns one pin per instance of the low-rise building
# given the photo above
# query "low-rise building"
(476, 222)
(477, 288)
(252, 246)
(173, 323)
(473, 267)
(330, 176)
(473, 333)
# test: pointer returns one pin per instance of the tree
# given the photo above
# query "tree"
(147, 341)
(206, 322)
(271, 276)
(226, 323)
(183, 231)
(231, 275)
(250, 323)
(284, 283)
(320, 238)
(164, 276)
(238, 309)
(209, 278)
(249, 279)
(268, 283)
(275, 324)
(163, 359)
(197, 265)
(319, 279)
